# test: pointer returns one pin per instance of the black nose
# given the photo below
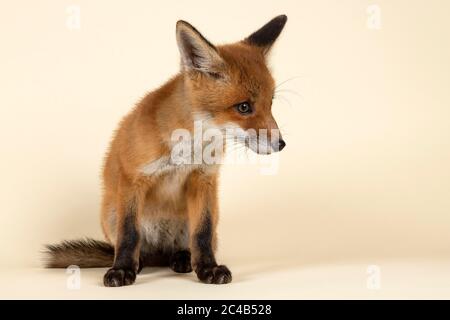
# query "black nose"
(281, 144)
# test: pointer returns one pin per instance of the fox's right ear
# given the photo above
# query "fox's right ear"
(197, 53)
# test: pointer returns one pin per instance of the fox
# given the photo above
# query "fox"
(160, 208)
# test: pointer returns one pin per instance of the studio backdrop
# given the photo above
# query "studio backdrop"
(362, 101)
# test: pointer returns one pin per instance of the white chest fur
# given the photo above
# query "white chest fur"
(164, 233)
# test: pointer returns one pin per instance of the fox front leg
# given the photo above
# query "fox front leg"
(127, 247)
(203, 216)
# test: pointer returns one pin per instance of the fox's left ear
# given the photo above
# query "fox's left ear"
(266, 36)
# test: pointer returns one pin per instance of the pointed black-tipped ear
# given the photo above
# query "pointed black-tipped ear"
(197, 53)
(266, 36)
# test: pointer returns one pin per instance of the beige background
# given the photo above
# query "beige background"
(364, 179)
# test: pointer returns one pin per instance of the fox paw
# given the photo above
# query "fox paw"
(119, 277)
(181, 262)
(214, 274)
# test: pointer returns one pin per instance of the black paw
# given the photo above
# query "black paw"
(181, 262)
(119, 277)
(214, 274)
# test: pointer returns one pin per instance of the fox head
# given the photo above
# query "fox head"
(231, 84)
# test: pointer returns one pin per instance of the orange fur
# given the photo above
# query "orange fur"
(144, 197)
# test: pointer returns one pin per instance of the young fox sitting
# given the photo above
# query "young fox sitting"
(158, 211)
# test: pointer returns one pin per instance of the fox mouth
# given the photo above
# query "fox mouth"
(258, 146)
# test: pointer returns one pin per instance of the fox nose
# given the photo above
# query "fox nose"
(281, 144)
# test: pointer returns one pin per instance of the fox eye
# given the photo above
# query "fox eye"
(244, 108)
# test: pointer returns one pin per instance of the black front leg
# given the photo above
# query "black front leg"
(126, 260)
(202, 210)
(205, 265)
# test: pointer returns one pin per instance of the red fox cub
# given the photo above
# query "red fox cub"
(160, 206)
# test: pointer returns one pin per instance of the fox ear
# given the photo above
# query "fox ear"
(197, 53)
(266, 36)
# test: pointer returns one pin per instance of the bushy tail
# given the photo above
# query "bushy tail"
(85, 253)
